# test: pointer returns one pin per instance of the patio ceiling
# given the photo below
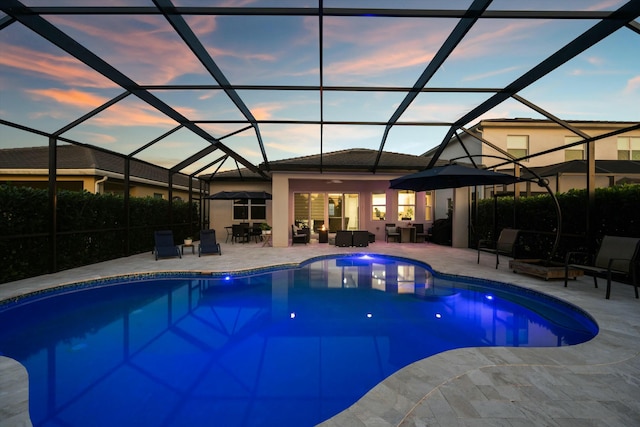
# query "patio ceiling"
(247, 83)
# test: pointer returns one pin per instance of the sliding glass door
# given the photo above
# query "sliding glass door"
(351, 212)
(334, 211)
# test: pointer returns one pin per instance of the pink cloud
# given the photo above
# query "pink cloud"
(487, 39)
(64, 69)
(605, 5)
(72, 97)
(633, 85)
(123, 114)
(403, 44)
(98, 138)
(490, 74)
(145, 48)
(133, 115)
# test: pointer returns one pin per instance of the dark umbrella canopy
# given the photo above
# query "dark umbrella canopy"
(232, 195)
(450, 176)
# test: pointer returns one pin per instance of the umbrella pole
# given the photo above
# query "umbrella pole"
(542, 183)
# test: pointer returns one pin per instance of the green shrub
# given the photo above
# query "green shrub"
(615, 213)
(90, 228)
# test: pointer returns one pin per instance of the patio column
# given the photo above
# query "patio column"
(280, 210)
(460, 220)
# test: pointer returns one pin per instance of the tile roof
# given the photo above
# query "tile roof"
(81, 157)
(351, 160)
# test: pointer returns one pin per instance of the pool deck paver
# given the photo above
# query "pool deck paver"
(596, 383)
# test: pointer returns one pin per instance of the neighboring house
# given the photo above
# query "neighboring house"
(336, 190)
(617, 157)
(528, 137)
(84, 169)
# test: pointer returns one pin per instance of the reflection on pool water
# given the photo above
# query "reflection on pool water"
(286, 347)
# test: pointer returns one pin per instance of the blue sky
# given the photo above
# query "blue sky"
(42, 87)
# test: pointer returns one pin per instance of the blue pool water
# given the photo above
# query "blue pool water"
(283, 347)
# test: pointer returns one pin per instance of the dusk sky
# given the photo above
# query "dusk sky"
(43, 87)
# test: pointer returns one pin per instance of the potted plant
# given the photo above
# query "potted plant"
(188, 241)
(266, 228)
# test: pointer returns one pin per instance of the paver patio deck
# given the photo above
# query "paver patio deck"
(592, 384)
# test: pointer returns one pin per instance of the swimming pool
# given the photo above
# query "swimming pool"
(279, 347)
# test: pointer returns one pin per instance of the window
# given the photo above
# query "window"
(158, 196)
(379, 206)
(249, 209)
(573, 153)
(428, 206)
(406, 205)
(629, 148)
(341, 210)
(518, 145)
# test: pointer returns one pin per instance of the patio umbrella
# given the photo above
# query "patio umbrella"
(450, 176)
(232, 195)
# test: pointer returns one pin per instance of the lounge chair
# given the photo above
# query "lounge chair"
(391, 232)
(165, 246)
(507, 244)
(208, 243)
(617, 257)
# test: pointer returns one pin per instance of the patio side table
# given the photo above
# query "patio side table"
(407, 234)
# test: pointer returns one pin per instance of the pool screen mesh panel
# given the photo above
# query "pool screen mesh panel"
(198, 74)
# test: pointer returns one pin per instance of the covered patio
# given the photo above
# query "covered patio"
(595, 383)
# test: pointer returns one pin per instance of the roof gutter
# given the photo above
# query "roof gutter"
(98, 182)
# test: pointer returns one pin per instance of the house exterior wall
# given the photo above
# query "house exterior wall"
(546, 136)
(41, 180)
(221, 211)
(284, 185)
(542, 137)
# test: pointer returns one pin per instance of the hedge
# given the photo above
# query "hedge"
(91, 228)
(616, 213)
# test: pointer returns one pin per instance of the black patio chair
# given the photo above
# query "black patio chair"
(165, 246)
(344, 238)
(255, 231)
(507, 244)
(420, 234)
(208, 243)
(360, 238)
(617, 257)
(391, 232)
(300, 235)
(239, 233)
